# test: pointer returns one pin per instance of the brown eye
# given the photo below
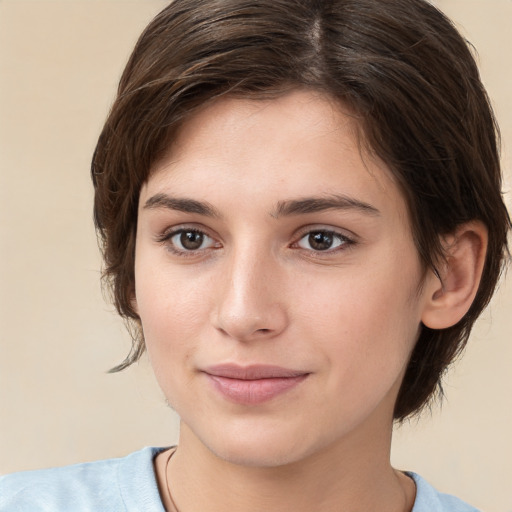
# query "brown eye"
(191, 240)
(322, 240)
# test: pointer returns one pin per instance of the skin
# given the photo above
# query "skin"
(256, 291)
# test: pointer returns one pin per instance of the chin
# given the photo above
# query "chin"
(259, 455)
(256, 446)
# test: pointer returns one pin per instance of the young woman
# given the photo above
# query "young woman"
(300, 210)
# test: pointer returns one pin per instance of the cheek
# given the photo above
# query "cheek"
(173, 310)
(366, 322)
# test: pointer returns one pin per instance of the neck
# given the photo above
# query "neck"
(353, 475)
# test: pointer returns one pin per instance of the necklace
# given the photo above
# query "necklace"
(176, 509)
(169, 495)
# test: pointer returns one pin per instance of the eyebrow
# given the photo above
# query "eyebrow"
(319, 204)
(181, 204)
(283, 208)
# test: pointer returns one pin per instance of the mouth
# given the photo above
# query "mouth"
(255, 384)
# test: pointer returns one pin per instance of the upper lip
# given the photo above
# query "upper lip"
(252, 372)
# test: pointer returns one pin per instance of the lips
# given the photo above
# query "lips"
(251, 385)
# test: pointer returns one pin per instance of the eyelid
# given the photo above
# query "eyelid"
(311, 228)
(166, 236)
(347, 237)
(169, 231)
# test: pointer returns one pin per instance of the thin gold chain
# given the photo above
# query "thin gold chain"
(169, 495)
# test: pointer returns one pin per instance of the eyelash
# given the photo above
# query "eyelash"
(344, 242)
(166, 239)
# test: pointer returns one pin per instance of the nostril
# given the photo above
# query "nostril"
(245, 320)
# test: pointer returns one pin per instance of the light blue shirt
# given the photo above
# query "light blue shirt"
(128, 484)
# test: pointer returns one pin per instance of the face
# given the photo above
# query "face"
(276, 281)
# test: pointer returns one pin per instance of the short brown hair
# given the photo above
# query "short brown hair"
(400, 65)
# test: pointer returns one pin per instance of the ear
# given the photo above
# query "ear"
(449, 296)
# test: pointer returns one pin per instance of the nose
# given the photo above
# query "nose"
(251, 303)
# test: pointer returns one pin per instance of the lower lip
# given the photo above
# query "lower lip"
(257, 391)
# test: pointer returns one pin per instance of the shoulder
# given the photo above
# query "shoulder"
(429, 499)
(113, 484)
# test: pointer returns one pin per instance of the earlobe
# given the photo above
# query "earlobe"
(450, 295)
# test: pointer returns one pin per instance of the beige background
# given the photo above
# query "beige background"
(59, 64)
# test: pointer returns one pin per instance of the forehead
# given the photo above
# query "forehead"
(302, 143)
